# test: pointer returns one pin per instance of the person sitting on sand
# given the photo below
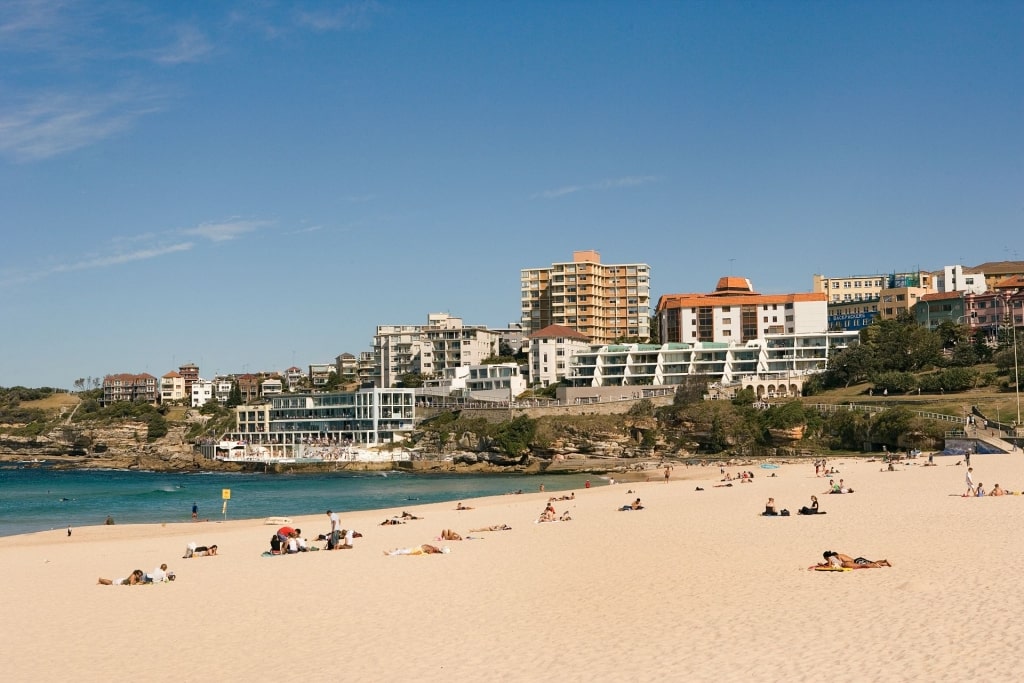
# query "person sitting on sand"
(841, 560)
(548, 515)
(635, 505)
(565, 517)
(134, 579)
(812, 510)
(769, 508)
(449, 535)
(997, 491)
(980, 490)
(460, 506)
(495, 527)
(409, 515)
(275, 545)
(425, 549)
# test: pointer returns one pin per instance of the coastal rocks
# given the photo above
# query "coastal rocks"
(787, 436)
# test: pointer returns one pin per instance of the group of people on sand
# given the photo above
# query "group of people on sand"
(138, 577)
(551, 515)
(770, 509)
(743, 477)
(841, 487)
(288, 541)
(978, 490)
(399, 519)
(821, 468)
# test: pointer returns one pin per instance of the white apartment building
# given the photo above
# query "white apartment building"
(780, 355)
(444, 342)
(956, 279)
(735, 314)
(272, 386)
(550, 352)
(491, 382)
(172, 387)
(202, 392)
(604, 302)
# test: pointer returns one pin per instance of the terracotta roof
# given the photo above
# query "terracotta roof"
(941, 296)
(692, 300)
(1012, 282)
(172, 373)
(552, 331)
(733, 285)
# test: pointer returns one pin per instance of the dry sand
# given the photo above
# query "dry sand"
(695, 587)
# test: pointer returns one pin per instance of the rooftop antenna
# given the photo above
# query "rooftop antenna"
(731, 261)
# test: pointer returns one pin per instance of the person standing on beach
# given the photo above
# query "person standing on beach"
(335, 530)
(970, 481)
(195, 511)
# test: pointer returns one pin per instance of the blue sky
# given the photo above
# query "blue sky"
(250, 185)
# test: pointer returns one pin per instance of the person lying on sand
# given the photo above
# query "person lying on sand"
(409, 515)
(460, 506)
(496, 527)
(449, 535)
(841, 560)
(392, 520)
(635, 505)
(194, 550)
(136, 578)
(425, 549)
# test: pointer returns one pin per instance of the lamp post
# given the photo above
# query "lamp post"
(1008, 302)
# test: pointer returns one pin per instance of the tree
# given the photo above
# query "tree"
(411, 380)
(235, 397)
(851, 366)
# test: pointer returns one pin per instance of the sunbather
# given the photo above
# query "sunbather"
(496, 527)
(135, 578)
(841, 560)
(425, 549)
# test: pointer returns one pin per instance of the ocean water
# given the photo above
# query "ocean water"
(39, 498)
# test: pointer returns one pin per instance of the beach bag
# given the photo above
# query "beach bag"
(784, 513)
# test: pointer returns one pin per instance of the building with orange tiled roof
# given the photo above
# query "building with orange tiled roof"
(989, 312)
(172, 387)
(735, 313)
(550, 351)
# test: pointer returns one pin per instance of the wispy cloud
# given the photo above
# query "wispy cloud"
(224, 230)
(190, 45)
(353, 17)
(117, 259)
(610, 184)
(140, 247)
(305, 231)
(48, 124)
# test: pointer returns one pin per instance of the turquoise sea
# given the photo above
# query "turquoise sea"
(39, 498)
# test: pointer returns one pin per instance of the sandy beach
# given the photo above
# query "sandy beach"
(697, 586)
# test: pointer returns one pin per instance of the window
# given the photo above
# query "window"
(727, 333)
(726, 321)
